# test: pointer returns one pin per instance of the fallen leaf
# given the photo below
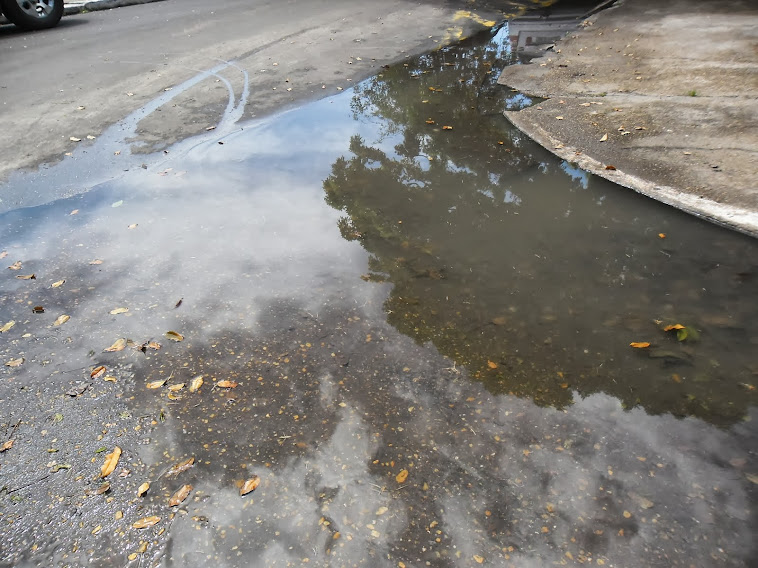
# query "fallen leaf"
(478, 559)
(177, 387)
(15, 362)
(118, 345)
(209, 128)
(402, 476)
(103, 488)
(74, 139)
(156, 384)
(610, 167)
(132, 226)
(196, 383)
(559, 118)
(639, 344)
(661, 235)
(111, 461)
(179, 303)
(96, 261)
(181, 466)
(117, 311)
(380, 511)
(500, 320)
(110, 379)
(675, 326)
(250, 485)
(174, 336)
(6, 446)
(752, 478)
(604, 138)
(27, 276)
(38, 309)
(57, 284)
(61, 320)
(142, 489)
(97, 372)
(146, 522)
(7, 326)
(447, 128)
(430, 121)
(226, 384)
(492, 364)
(3, 254)
(153, 345)
(178, 497)
(117, 153)
(16, 265)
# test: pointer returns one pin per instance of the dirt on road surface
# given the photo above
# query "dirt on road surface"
(659, 97)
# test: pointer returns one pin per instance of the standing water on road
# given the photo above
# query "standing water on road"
(427, 341)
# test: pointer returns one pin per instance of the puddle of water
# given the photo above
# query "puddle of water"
(429, 328)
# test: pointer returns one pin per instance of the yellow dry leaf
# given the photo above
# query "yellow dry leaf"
(6, 446)
(380, 511)
(153, 345)
(145, 522)
(402, 476)
(7, 326)
(142, 489)
(98, 371)
(179, 497)
(111, 461)
(478, 559)
(96, 261)
(196, 383)
(226, 384)
(118, 345)
(604, 138)
(177, 387)
(57, 284)
(117, 311)
(61, 320)
(27, 276)
(174, 336)
(156, 384)
(16, 265)
(15, 362)
(661, 235)
(110, 379)
(250, 485)
(447, 128)
(492, 364)
(639, 344)
(672, 327)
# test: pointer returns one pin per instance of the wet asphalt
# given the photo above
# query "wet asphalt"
(413, 326)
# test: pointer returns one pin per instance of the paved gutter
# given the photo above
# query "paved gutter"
(657, 97)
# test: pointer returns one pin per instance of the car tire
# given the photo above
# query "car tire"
(25, 15)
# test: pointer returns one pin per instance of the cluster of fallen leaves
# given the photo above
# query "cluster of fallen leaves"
(683, 333)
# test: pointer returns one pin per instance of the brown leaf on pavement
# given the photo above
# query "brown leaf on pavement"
(181, 466)
(16, 265)
(639, 344)
(111, 461)
(27, 276)
(143, 489)
(196, 383)
(6, 446)
(174, 336)
(61, 320)
(250, 485)
(226, 384)
(402, 476)
(118, 345)
(97, 372)
(178, 497)
(145, 522)
(15, 362)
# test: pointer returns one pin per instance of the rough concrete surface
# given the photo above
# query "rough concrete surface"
(661, 97)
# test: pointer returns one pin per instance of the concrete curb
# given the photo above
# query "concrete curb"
(78, 8)
(729, 216)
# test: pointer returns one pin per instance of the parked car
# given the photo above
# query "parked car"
(33, 14)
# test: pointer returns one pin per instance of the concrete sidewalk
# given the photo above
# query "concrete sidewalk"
(660, 97)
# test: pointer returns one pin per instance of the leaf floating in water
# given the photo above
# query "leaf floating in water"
(492, 364)
(156, 384)
(119, 345)
(16, 265)
(402, 476)
(226, 384)
(174, 336)
(7, 326)
(57, 284)
(111, 461)
(499, 320)
(196, 383)
(675, 326)
(61, 320)
(27, 276)
(639, 344)
(178, 497)
(15, 362)
(142, 489)
(180, 467)
(250, 485)
(117, 311)
(146, 522)
(98, 371)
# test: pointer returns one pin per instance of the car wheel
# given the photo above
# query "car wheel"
(33, 14)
